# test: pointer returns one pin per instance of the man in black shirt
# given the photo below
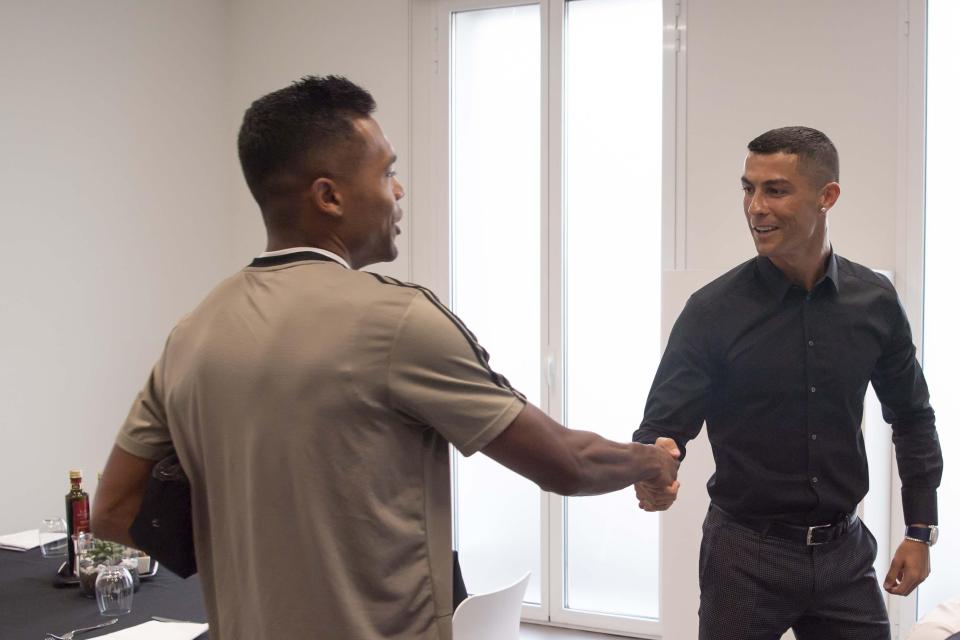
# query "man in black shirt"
(775, 356)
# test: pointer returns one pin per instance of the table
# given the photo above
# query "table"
(30, 605)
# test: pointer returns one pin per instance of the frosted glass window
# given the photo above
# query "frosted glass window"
(941, 343)
(495, 169)
(612, 94)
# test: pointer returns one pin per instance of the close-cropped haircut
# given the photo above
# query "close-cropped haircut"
(816, 154)
(284, 130)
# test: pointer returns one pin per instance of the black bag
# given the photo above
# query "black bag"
(163, 527)
(459, 588)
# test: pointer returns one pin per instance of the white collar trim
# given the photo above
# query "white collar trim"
(323, 252)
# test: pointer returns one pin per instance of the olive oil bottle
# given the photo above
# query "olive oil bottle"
(78, 515)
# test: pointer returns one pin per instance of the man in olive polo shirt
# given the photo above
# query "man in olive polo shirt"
(312, 404)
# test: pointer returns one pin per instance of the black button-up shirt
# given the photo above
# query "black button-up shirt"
(779, 375)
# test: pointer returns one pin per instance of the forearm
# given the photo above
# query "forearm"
(648, 434)
(119, 495)
(905, 401)
(571, 462)
(113, 526)
(920, 464)
(677, 402)
(604, 465)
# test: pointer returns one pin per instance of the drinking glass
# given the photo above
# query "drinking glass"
(130, 558)
(114, 591)
(86, 562)
(53, 538)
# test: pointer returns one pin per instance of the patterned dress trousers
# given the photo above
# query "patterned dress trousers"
(755, 587)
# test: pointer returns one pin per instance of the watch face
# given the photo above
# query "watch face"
(934, 534)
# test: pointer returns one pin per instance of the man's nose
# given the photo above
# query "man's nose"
(398, 191)
(757, 204)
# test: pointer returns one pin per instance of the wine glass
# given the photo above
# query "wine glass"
(53, 538)
(114, 590)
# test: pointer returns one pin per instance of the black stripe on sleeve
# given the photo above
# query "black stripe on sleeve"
(481, 354)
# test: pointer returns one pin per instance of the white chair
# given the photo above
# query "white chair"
(491, 616)
(941, 623)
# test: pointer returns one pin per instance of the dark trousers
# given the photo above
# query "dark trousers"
(755, 587)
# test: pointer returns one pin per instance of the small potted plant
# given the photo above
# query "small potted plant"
(92, 556)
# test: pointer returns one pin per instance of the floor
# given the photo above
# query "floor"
(542, 632)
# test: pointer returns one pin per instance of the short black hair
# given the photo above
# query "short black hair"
(817, 155)
(310, 119)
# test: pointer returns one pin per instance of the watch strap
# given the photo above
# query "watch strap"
(919, 534)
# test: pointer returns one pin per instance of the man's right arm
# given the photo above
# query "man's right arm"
(438, 375)
(119, 495)
(576, 463)
(676, 404)
(143, 440)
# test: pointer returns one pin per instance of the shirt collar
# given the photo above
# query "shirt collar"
(778, 283)
(832, 272)
(323, 252)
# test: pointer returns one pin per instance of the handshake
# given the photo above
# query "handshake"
(659, 492)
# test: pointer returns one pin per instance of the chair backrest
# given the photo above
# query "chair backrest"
(491, 616)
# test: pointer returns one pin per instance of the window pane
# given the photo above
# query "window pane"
(941, 343)
(613, 86)
(496, 268)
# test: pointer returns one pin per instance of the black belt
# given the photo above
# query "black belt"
(810, 536)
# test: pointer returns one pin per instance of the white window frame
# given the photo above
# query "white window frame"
(430, 22)
(911, 191)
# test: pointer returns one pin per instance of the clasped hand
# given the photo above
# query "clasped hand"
(660, 492)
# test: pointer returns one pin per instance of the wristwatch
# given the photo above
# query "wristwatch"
(926, 535)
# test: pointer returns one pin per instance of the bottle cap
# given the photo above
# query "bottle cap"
(75, 474)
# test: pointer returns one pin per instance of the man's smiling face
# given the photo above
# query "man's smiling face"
(782, 205)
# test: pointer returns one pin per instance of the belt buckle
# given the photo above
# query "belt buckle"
(810, 542)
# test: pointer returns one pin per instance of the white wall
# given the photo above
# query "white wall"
(753, 65)
(113, 166)
(274, 43)
(122, 199)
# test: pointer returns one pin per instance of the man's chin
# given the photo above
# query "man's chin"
(388, 256)
(764, 249)
(392, 252)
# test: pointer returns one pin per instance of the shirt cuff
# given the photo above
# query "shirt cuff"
(646, 437)
(919, 505)
(155, 452)
(494, 429)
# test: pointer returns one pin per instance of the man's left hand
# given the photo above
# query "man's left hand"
(657, 498)
(910, 567)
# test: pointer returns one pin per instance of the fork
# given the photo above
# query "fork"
(69, 634)
(162, 619)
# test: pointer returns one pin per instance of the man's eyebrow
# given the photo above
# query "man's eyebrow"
(393, 159)
(776, 182)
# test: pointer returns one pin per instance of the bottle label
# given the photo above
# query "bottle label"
(81, 516)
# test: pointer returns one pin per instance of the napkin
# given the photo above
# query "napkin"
(22, 541)
(154, 630)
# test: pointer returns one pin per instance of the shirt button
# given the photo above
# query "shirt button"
(813, 436)
(815, 480)
(813, 389)
(810, 343)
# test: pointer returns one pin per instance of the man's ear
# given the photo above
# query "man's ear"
(325, 195)
(829, 195)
